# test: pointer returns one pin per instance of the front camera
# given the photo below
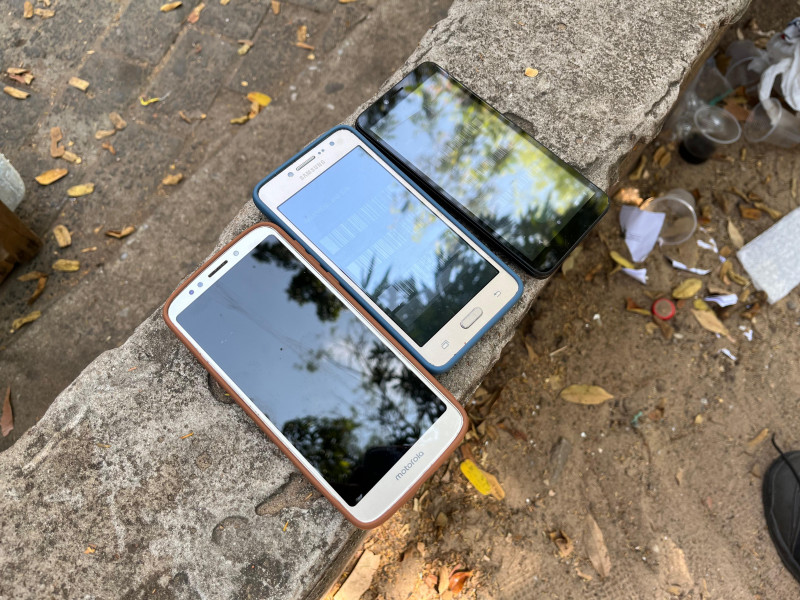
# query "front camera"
(290, 174)
(236, 253)
(191, 292)
(200, 284)
(332, 143)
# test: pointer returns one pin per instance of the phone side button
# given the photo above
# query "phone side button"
(473, 316)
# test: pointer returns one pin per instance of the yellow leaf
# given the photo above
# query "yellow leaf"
(240, 120)
(90, 549)
(736, 278)
(700, 304)
(44, 13)
(585, 394)
(104, 133)
(170, 6)
(174, 179)
(146, 101)
(79, 83)
(302, 33)
(62, 235)
(709, 321)
(531, 72)
(29, 318)
(224, 2)
(245, 47)
(27, 10)
(687, 288)
(51, 176)
(15, 93)
(621, 260)
(66, 266)
(276, 7)
(121, 233)
(71, 157)
(756, 441)
(31, 276)
(476, 477)
(84, 189)
(261, 99)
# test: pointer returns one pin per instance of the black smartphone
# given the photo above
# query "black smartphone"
(516, 194)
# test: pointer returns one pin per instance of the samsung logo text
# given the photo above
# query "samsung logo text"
(411, 463)
(311, 169)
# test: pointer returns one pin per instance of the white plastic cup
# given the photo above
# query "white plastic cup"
(680, 221)
(770, 123)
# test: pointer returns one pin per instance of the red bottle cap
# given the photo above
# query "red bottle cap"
(663, 309)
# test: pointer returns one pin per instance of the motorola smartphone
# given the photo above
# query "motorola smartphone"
(489, 173)
(352, 410)
(427, 281)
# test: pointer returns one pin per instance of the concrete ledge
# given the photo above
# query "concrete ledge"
(107, 497)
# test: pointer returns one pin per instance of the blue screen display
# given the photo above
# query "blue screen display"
(392, 246)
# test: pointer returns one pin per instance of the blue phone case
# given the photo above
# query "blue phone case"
(272, 216)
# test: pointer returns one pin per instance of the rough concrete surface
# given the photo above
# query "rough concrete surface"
(103, 497)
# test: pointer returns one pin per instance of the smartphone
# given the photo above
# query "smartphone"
(517, 195)
(427, 281)
(351, 409)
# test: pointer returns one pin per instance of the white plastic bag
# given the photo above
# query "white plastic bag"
(784, 52)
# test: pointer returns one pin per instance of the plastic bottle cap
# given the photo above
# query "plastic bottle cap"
(663, 309)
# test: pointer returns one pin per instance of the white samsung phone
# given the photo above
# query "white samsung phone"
(348, 406)
(424, 278)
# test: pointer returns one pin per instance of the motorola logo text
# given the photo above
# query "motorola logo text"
(409, 465)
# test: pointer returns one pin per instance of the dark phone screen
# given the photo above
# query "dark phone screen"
(392, 246)
(339, 395)
(515, 188)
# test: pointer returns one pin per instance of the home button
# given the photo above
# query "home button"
(473, 316)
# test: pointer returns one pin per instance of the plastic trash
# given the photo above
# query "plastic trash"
(770, 123)
(680, 219)
(784, 51)
(12, 188)
(712, 126)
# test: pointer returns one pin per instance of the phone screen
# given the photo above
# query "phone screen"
(499, 176)
(392, 246)
(334, 390)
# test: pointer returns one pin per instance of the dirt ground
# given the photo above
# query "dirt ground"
(668, 469)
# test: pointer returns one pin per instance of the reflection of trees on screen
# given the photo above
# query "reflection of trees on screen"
(304, 286)
(328, 444)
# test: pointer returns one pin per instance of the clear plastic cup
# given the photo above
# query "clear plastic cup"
(741, 49)
(713, 126)
(745, 72)
(772, 124)
(681, 220)
(711, 86)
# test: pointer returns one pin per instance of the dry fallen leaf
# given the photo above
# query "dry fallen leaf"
(195, 14)
(687, 288)
(733, 233)
(117, 120)
(62, 235)
(630, 305)
(531, 72)
(29, 318)
(147, 101)
(51, 176)
(109, 147)
(639, 170)
(585, 394)
(44, 13)
(457, 580)
(709, 321)
(90, 549)
(84, 189)
(596, 547)
(56, 151)
(360, 577)
(20, 75)
(748, 212)
(302, 33)
(476, 476)
(104, 133)
(78, 83)
(245, 47)
(261, 99)
(66, 266)
(224, 2)
(170, 6)
(15, 93)
(121, 233)
(27, 10)
(772, 212)
(71, 157)
(173, 179)
(276, 7)
(757, 440)
(240, 120)
(563, 542)
(40, 285)
(629, 195)
(723, 272)
(497, 491)
(621, 260)
(700, 304)
(7, 420)
(31, 276)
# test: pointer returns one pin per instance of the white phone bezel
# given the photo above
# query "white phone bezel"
(451, 338)
(389, 489)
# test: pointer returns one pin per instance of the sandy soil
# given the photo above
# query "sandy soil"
(665, 468)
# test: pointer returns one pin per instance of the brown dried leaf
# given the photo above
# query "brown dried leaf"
(109, 147)
(121, 233)
(723, 272)
(749, 212)
(51, 176)
(66, 266)
(62, 235)
(104, 133)
(736, 278)
(27, 10)
(304, 45)
(240, 120)
(631, 306)
(659, 154)
(15, 93)
(639, 170)
(302, 33)
(7, 420)
(629, 195)
(224, 2)
(78, 83)
(29, 318)
(84, 189)
(736, 109)
(735, 235)
(170, 6)
(531, 352)
(195, 14)
(117, 120)
(687, 288)
(245, 47)
(38, 291)
(757, 440)
(585, 394)
(709, 321)
(56, 151)
(173, 179)
(276, 7)
(596, 547)
(458, 578)
(71, 157)
(31, 276)
(531, 72)
(665, 160)
(563, 542)
(772, 212)
(496, 490)
(22, 76)
(44, 13)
